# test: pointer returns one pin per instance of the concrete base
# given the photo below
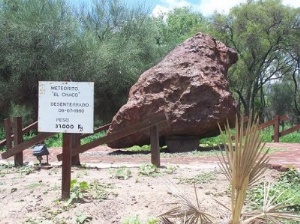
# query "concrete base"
(182, 143)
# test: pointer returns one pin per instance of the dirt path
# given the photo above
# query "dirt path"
(32, 196)
(287, 154)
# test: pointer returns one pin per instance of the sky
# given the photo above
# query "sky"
(205, 7)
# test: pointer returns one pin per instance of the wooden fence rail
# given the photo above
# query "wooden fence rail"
(19, 145)
(97, 130)
(290, 130)
(7, 126)
(275, 122)
(14, 142)
(145, 124)
(72, 144)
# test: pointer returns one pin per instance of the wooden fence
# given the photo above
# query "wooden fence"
(275, 122)
(15, 143)
(72, 142)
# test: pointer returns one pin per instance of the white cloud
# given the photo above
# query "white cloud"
(177, 3)
(293, 3)
(207, 7)
(160, 10)
(168, 5)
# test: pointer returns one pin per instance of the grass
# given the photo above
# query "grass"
(265, 135)
(92, 137)
(211, 142)
(243, 163)
(137, 220)
(122, 173)
(151, 170)
(148, 170)
(271, 210)
(200, 178)
(82, 189)
(136, 148)
(287, 187)
(56, 140)
(34, 185)
(291, 138)
(99, 190)
(82, 218)
(22, 170)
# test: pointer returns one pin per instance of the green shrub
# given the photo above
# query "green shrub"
(201, 178)
(287, 185)
(137, 220)
(54, 141)
(291, 138)
(122, 173)
(148, 170)
(93, 137)
(22, 111)
(136, 148)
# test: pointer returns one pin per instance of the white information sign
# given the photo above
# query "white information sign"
(66, 107)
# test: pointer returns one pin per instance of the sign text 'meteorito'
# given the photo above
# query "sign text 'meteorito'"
(64, 88)
(65, 91)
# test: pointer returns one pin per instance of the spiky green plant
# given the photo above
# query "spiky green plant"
(243, 163)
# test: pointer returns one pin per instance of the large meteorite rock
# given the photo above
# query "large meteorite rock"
(190, 85)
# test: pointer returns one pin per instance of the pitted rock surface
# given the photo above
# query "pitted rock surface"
(190, 85)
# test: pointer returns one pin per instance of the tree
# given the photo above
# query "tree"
(260, 31)
(38, 39)
(122, 45)
(178, 25)
(109, 44)
(293, 52)
(280, 98)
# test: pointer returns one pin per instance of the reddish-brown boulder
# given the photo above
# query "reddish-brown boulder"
(190, 85)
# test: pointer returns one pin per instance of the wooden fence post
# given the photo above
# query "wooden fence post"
(75, 144)
(276, 128)
(18, 138)
(7, 127)
(154, 141)
(66, 166)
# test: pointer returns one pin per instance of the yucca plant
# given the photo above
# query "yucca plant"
(271, 212)
(243, 163)
(184, 209)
